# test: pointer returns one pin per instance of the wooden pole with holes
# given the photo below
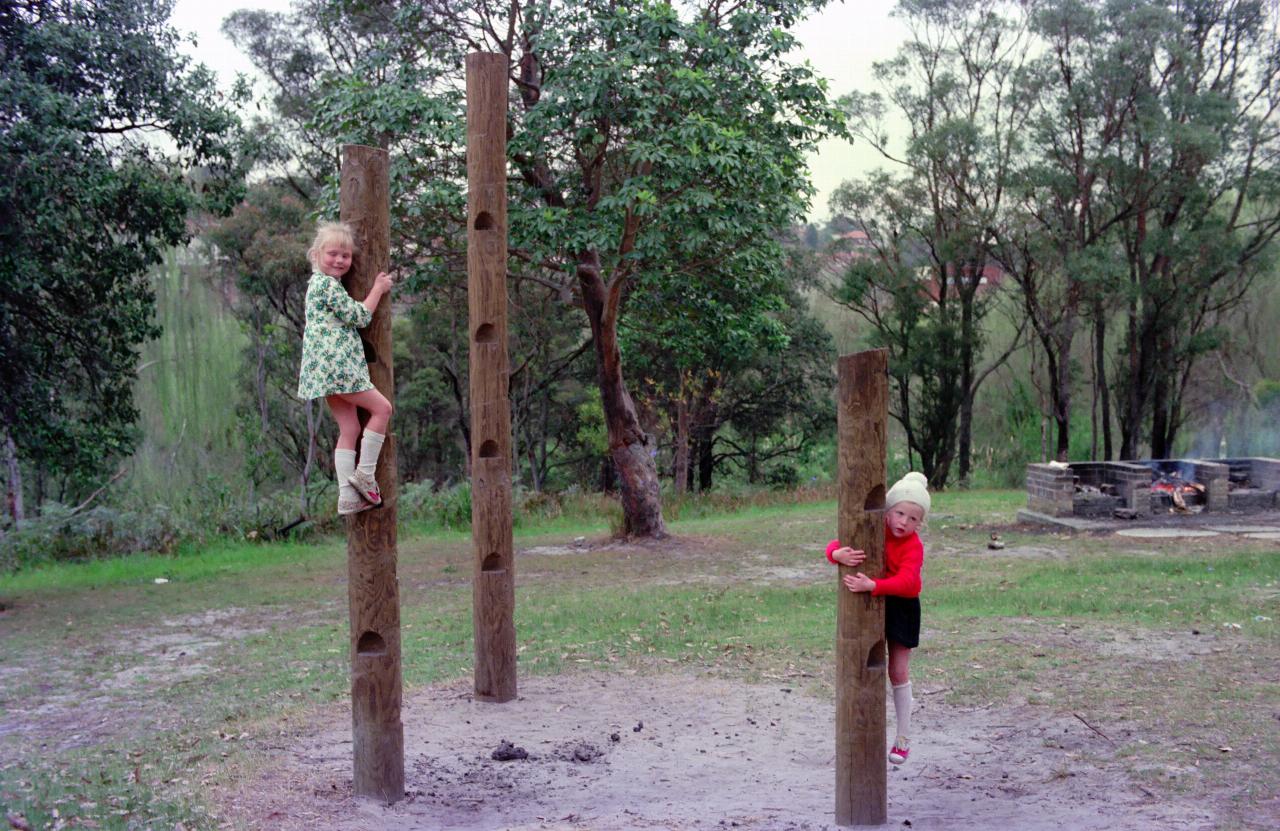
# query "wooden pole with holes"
(372, 590)
(493, 583)
(861, 658)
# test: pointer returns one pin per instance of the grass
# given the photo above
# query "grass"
(1096, 626)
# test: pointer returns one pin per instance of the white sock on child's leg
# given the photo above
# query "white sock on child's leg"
(902, 708)
(370, 447)
(344, 464)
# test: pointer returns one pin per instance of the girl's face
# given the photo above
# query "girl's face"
(335, 259)
(903, 519)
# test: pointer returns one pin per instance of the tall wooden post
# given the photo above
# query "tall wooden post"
(493, 584)
(372, 588)
(861, 657)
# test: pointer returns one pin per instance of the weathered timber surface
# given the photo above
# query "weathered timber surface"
(861, 657)
(493, 582)
(372, 588)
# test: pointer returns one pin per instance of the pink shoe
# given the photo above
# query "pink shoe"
(899, 753)
(366, 486)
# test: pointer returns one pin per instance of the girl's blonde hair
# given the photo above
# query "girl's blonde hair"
(330, 232)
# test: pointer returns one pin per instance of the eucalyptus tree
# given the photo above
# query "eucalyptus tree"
(961, 93)
(1202, 155)
(646, 142)
(110, 137)
(881, 281)
(1058, 241)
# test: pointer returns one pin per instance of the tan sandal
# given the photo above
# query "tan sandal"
(366, 486)
(352, 506)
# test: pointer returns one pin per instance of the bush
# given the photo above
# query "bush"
(443, 508)
(58, 536)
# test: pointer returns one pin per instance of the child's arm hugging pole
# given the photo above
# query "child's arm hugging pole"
(346, 308)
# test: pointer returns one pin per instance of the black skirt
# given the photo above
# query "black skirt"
(902, 620)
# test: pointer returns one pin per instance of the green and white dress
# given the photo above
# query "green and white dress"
(332, 354)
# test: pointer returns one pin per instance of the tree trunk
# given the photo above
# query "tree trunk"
(608, 481)
(680, 476)
(706, 461)
(967, 391)
(1160, 409)
(1100, 377)
(260, 379)
(1061, 384)
(13, 492)
(630, 448)
(41, 487)
(313, 428)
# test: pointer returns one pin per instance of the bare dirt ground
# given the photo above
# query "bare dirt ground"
(615, 752)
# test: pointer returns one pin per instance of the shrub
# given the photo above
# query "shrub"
(59, 535)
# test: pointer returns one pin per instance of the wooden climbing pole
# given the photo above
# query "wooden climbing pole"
(372, 590)
(861, 657)
(493, 584)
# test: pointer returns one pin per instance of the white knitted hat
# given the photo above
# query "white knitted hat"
(910, 488)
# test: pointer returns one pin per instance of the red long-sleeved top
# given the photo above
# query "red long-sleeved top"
(903, 560)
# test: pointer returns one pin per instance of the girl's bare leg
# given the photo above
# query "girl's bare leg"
(899, 663)
(374, 403)
(344, 412)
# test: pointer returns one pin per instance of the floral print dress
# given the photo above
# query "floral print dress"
(332, 354)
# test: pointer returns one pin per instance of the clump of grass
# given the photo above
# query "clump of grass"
(102, 787)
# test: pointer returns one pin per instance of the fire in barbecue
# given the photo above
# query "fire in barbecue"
(1177, 487)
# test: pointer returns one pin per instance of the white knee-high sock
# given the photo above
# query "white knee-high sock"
(370, 447)
(902, 708)
(344, 464)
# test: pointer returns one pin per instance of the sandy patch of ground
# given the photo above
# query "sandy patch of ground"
(613, 752)
(69, 707)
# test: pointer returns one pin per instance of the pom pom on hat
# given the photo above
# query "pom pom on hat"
(910, 488)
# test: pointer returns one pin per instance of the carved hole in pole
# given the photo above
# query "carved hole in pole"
(875, 499)
(492, 562)
(487, 333)
(876, 657)
(484, 221)
(371, 644)
(489, 450)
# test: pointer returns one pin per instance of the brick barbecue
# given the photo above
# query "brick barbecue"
(1143, 488)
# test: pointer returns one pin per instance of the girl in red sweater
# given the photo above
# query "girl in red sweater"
(906, 505)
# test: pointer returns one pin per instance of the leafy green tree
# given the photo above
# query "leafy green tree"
(90, 93)
(644, 139)
(711, 358)
(958, 85)
(1206, 206)
(1057, 241)
(779, 407)
(882, 282)
(261, 258)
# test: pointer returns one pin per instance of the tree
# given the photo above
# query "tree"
(644, 140)
(88, 202)
(960, 87)
(1057, 241)
(882, 283)
(261, 253)
(711, 358)
(1207, 210)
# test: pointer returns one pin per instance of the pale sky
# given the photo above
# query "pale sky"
(841, 43)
